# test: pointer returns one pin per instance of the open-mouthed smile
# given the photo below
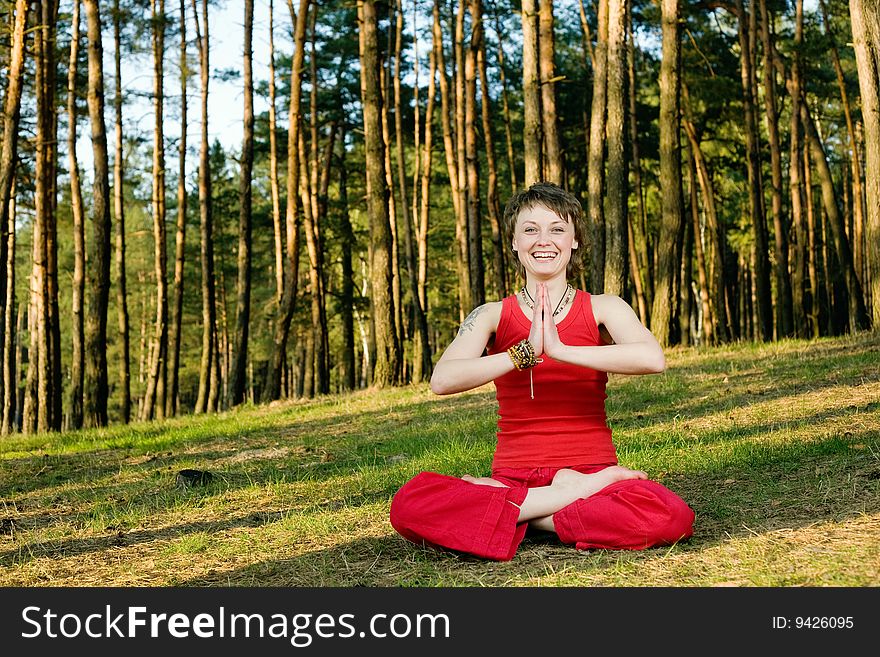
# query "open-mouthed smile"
(544, 256)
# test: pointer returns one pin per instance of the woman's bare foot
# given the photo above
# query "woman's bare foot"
(590, 484)
(484, 481)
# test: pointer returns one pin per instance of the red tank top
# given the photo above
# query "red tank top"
(565, 424)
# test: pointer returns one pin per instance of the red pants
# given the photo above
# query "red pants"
(448, 512)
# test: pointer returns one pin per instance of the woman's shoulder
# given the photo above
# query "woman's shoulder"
(607, 302)
(487, 314)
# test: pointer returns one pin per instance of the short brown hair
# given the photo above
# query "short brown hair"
(557, 200)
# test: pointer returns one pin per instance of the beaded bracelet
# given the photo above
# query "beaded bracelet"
(523, 355)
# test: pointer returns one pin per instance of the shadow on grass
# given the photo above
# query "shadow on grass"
(755, 485)
(788, 487)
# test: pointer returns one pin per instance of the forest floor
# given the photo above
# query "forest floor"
(775, 446)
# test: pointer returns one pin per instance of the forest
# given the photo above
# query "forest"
(726, 154)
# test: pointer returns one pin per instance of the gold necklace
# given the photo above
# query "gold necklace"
(563, 301)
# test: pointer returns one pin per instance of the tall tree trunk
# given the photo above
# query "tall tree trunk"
(423, 368)
(708, 323)
(462, 225)
(796, 188)
(172, 400)
(8, 157)
(77, 362)
(859, 205)
(96, 384)
(53, 314)
(387, 365)
(640, 263)
(493, 203)
(154, 396)
(532, 133)
(858, 315)
(818, 298)
(420, 320)
(206, 230)
(866, 40)
(764, 302)
(272, 385)
(402, 178)
(596, 160)
(616, 235)
(347, 378)
(37, 407)
(315, 187)
(663, 310)
(472, 168)
(311, 218)
(273, 166)
(385, 76)
(243, 288)
(553, 161)
(784, 318)
(451, 151)
(9, 361)
(119, 218)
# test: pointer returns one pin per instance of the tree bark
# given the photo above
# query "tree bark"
(38, 401)
(154, 396)
(866, 40)
(596, 159)
(9, 362)
(206, 230)
(476, 267)
(552, 160)
(493, 203)
(532, 133)
(347, 378)
(796, 188)
(281, 333)
(783, 306)
(77, 362)
(764, 301)
(8, 157)
(273, 166)
(422, 367)
(119, 220)
(96, 384)
(172, 401)
(663, 310)
(387, 366)
(243, 287)
(616, 235)
(640, 263)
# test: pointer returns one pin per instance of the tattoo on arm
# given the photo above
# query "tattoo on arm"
(470, 320)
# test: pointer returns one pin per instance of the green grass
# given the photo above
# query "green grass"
(776, 447)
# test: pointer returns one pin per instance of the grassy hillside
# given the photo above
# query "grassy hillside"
(776, 447)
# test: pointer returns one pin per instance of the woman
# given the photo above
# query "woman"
(548, 349)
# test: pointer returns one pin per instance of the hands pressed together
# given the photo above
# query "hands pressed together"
(544, 336)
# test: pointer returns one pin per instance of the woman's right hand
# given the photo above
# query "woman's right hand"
(536, 334)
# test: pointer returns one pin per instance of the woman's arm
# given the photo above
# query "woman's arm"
(635, 349)
(463, 365)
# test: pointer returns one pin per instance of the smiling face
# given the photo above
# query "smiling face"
(543, 242)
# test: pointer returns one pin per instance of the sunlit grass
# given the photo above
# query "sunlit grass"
(776, 447)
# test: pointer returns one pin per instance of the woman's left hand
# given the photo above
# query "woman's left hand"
(552, 343)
